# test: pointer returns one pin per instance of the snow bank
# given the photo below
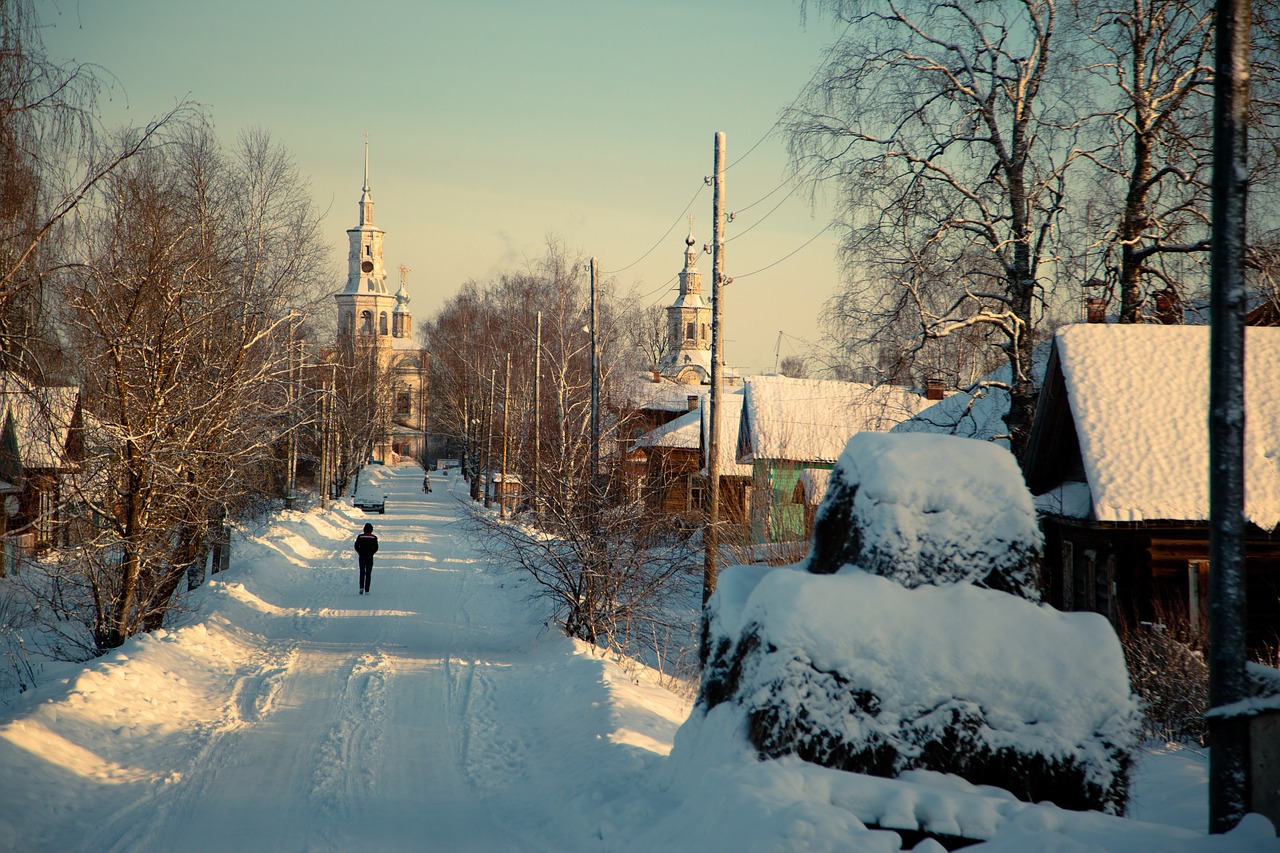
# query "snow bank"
(922, 508)
(857, 672)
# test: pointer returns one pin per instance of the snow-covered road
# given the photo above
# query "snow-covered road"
(286, 712)
(430, 714)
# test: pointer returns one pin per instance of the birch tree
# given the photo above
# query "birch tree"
(182, 313)
(50, 161)
(948, 131)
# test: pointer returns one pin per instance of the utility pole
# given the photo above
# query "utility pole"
(506, 406)
(537, 414)
(1228, 683)
(424, 395)
(488, 441)
(324, 443)
(711, 534)
(291, 444)
(595, 385)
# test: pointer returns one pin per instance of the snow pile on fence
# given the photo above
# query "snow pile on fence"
(885, 674)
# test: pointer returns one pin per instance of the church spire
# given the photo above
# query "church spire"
(366, 198)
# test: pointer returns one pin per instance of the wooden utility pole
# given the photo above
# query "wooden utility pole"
(595, 385)
(1228, 683)
(324, 443)
(537, 414)
(506, 406)
(488, 441)
(711, 534)
(291, 443)
(424, 396)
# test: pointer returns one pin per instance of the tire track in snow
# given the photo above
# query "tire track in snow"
(347, 759)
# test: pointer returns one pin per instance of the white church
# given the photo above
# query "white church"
(373, 319)
(688, 357)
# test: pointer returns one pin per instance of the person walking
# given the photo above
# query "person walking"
(366, 546)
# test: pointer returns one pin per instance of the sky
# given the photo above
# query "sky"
(280, 710)
(496, 124)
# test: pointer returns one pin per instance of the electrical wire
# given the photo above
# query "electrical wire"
(786, 256)
(701, 187)
(808, 83)
(747, 230)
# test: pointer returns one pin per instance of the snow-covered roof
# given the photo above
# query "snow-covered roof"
(683, 432)
(640, 391)
(811, 420)
(729, 419)
(1139, 403)
(42, 419)
(978, 414)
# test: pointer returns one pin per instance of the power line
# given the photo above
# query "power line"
(803, 89)
(786, 256)
(772, 210)
(701, 187)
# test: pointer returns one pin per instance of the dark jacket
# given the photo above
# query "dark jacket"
(366, 544)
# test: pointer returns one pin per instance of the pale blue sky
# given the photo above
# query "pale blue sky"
(493, 123)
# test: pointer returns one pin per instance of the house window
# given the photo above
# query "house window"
(1104, 588)
(44, 522)
(1197, 591)
(1068, 575)
(1084, 581)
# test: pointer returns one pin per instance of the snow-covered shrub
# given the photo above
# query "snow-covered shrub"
(929, 509)
(856, 672)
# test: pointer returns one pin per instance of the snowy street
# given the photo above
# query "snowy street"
(289, 713)
(431, 714)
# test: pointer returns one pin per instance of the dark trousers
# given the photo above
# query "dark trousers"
(366, 570)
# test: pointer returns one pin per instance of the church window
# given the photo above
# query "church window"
(382, 323)
(368, 250)
(366, 322)
(689, 333)
(704, 331)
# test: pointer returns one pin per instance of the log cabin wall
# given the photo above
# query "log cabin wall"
(1147, 571)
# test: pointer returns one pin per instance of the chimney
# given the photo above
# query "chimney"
(933, 389)
(1095, 310)
(1168, 307)
(657, 377)
(693, 402)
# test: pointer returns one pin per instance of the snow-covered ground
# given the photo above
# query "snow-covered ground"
(441, 713)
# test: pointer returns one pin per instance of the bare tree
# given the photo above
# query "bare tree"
(647, 335)
(183, 309)
(1155, 69)
(49, 163)
(949, 132)
(795, 366)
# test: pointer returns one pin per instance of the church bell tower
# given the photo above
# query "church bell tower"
(364, 306)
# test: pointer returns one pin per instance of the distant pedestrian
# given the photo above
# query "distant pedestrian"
(426, 484)
(366, 546)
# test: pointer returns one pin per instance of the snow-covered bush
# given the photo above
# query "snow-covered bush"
(929, 509)
(915, 639)
(856, 672)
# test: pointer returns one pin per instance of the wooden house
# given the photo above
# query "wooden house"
(790, 426)
(735, 477)
(1119, 462)
(669, 455)
(42, 443)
